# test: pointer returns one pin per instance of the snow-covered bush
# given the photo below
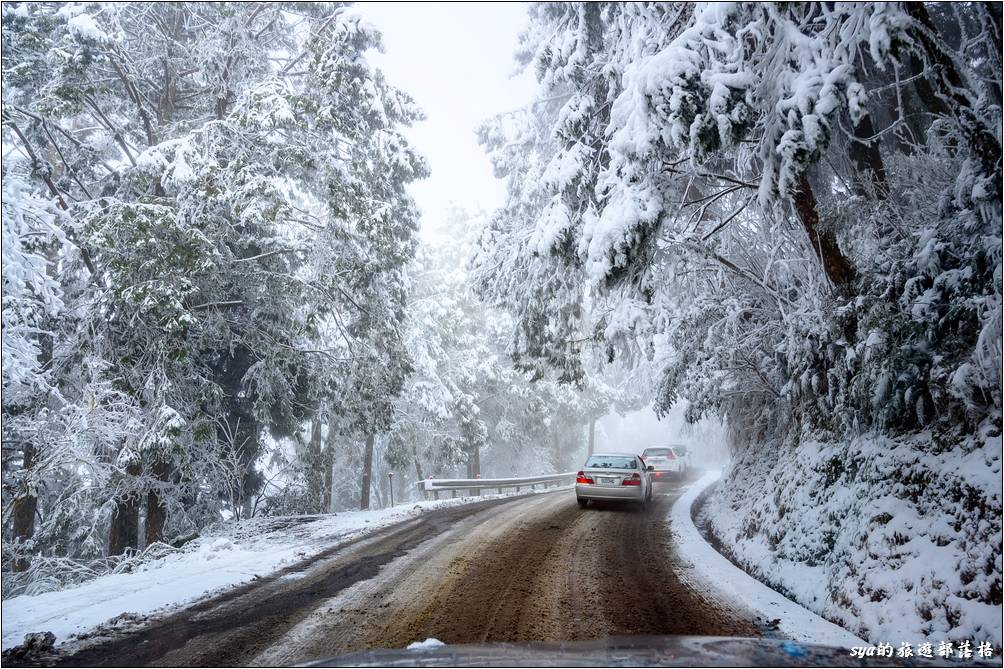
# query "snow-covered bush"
(893, 538)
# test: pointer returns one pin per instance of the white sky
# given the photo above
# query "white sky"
(456, 60)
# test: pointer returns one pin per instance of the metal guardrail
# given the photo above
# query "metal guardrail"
(475, 486)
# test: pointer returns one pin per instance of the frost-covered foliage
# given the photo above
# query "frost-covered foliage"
(205, 231)
(466, 404)
(793, 211)
(890, 537)
(30, 295)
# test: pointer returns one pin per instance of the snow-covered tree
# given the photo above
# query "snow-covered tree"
(467, 409)
(208, 229)
(792, 209)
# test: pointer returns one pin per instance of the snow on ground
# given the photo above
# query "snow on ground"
(423, 645)
(736, 585)
(234, 554)
(897, 539)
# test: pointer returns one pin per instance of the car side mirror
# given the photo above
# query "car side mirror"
(650, 468)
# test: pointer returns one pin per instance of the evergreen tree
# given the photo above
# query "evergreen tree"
(215, 196)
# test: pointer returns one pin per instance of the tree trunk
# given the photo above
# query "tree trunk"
(993, 17)
(836, 265)
(866, 157)
(925, 93)
(476, 466)
(315, 471)
(25, 506)
(156, 512)
(364, 498)
(418, 464)
(401, 493)
(592, 434)
(956, 92)
(328, 459)
(26, 503)
(418, 470)
(124, 530)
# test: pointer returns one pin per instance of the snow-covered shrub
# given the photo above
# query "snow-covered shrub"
(893, 538)
(50, 573)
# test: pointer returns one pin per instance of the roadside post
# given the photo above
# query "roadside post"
(390, 475)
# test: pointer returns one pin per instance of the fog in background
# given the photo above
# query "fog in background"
(639, 430)
(460, 74)
(430, 67)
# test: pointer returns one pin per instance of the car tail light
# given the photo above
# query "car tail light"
(582, 478)
(634, 479)
(671, 456)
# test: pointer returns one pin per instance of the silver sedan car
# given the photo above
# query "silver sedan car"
(614, 477)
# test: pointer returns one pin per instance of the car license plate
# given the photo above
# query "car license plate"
(608, 481)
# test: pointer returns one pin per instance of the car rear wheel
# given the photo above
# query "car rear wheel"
(583, 503)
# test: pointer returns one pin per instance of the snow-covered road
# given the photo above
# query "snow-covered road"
(518, 569)
(223, 558)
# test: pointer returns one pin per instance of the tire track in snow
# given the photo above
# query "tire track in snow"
(535, 568)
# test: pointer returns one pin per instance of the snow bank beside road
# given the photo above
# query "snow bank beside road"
(233, 555)
(897, 539)
(736, 585)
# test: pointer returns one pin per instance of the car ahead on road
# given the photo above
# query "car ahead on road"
(614, 477)
(683, 452)
(667, 462)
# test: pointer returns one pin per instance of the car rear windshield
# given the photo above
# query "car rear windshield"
(612, 462)
(658, 452)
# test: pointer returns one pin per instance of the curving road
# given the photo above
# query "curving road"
(531, 568)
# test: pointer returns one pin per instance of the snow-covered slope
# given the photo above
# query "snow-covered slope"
(896, 540)
(737, 586)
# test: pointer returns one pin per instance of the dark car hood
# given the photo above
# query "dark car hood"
(638, 651)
